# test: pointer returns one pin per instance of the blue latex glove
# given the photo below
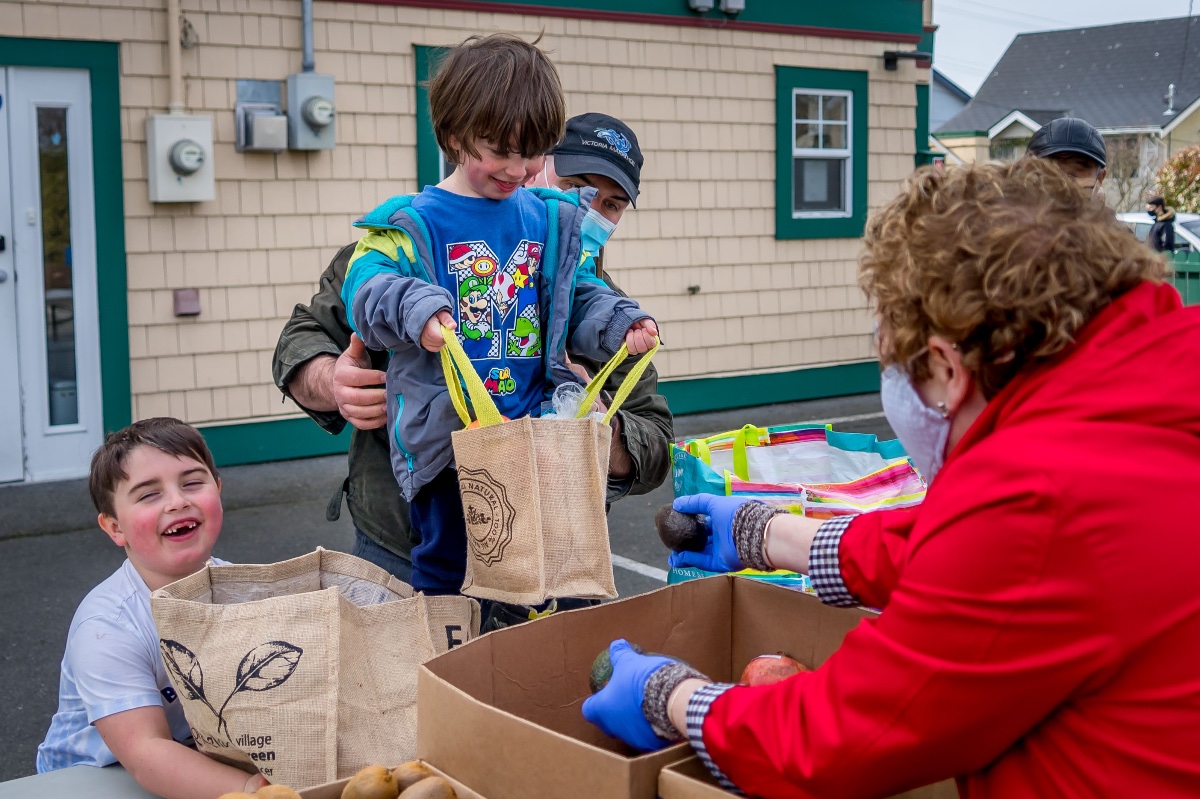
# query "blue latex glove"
(720, 553)
(617, 708)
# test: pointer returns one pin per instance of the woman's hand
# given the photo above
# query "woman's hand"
(720, 554)
(617, 708)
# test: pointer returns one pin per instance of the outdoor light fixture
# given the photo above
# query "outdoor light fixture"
(891, 57)
(700, 6)
(733, 7)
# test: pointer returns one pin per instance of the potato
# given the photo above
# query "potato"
(410, 773)
(430, 788)
(373, 782)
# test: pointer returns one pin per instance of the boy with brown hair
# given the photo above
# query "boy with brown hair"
(158, 495)
(508, 269)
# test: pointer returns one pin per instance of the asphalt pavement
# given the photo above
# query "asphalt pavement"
(53, 553)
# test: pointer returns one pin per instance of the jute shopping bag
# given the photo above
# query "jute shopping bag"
(533, 490)
(305, 670)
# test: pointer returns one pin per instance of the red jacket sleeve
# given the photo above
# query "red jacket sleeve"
(870, 553)
(993, 619)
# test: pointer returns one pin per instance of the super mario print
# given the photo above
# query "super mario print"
(474, 264)
(498, 312)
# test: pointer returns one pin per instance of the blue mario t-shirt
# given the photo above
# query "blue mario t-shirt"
(487, 254)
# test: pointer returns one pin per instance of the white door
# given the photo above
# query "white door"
(52, 255)
(12, 452)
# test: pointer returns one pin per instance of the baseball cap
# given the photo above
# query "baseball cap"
(597, 144)
(1068, 135)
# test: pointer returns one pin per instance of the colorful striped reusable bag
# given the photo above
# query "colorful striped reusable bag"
(811, 470)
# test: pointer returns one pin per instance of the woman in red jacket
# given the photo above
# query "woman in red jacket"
(1040, 633)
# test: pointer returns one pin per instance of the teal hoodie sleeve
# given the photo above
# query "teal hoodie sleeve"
(386, 307)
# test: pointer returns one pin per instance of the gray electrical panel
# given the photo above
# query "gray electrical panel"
(310, 111)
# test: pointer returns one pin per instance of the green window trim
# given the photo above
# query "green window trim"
(787, 80)
(101, 60)
(429, 155)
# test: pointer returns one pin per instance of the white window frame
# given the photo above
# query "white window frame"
(846, 153)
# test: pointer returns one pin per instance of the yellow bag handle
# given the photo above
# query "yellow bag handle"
(597, 385)
(459, 371)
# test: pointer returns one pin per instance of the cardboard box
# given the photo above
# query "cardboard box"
(333, 790)
(502, 714)
(690, 779)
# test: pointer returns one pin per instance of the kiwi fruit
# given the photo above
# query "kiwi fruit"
(602, 668)
(679, 532)
(372, 782)
(410, 773)
(430, 788)
(275, 792)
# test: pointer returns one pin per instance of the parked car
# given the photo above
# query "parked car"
(1187, 229)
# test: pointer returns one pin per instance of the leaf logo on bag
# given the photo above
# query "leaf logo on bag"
(264, 667)
(489, 514)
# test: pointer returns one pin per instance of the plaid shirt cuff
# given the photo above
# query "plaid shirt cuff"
(824, 565)
(697, 710)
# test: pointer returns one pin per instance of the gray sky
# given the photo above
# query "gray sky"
(973, 34)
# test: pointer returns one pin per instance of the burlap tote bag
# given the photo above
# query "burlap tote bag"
(533, 491)
(305, 670)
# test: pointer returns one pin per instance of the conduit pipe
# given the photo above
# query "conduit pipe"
(307, 62)
(174, 58)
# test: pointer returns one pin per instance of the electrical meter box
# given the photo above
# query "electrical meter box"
(310, 111)
(179, 153)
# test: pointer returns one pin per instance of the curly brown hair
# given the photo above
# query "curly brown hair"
(1007, 261)
(501, 89)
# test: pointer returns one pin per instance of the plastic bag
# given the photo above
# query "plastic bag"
(565, 402)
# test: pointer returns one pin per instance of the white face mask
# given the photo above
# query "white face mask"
(922, 430)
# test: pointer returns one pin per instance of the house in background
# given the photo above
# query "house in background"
(768, 136)
(946, 98)
(1138, 83)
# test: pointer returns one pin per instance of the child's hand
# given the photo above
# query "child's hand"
(640, 336)
(255, 782)
(431, 336)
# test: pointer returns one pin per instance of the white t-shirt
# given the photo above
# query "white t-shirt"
(112, 664)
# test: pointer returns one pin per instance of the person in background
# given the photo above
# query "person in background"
(1078, 149)
(1041, 624)
(1162, 234)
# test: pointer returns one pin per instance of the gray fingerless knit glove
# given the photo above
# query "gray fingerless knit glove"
(750, 533)
(658, 692)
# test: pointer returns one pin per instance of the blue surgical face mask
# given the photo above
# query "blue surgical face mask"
(595, 231)
(922, 430)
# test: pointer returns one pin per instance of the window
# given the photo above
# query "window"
(821, 167)
(821, 153)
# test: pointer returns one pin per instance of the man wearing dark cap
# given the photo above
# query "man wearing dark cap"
(598, 151)
(1075, 146)
(335, 380)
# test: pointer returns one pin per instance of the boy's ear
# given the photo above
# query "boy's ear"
(218, 485)
(109, 525)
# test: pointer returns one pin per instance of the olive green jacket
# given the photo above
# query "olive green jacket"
(374, 499)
